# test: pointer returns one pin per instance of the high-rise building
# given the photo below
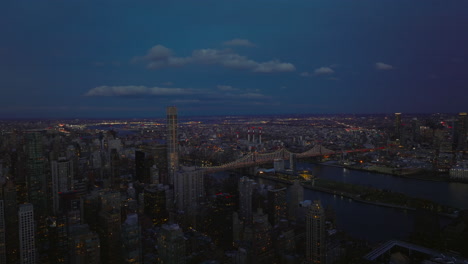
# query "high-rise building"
(315, 233)
(188, 189)
(398, 125)
(172, 142)
(142, 170)
(84, 245)
(27, 236)
(295, 196)
(155, 198)
(109, 236)
(171, 245)
(11, 222)
(277, 206)
(246, 187)
(3, 259)
(460, 132)
(131, 240)
(62, 180)
(36, 178)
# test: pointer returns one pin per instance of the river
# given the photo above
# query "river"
(376, 223)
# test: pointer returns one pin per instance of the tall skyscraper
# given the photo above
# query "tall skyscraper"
(36, 178)
(295, 196)
(131, 240)
(3, 259)
(62, 180)
(246, 187)
(171, 245)
(398, 125)
(26, 234)
(84, 245)
(315, 233)
(172, 142)
(277, 205)
(460, 133)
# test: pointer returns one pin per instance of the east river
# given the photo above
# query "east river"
(376, 223)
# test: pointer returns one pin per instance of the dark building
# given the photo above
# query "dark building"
(397, 126)
(277, 205)
(460, 132)
(172, 142)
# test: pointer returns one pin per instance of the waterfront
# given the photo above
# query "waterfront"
(372, 222)
(448, 193)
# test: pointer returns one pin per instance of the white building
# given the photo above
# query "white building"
(27, 234)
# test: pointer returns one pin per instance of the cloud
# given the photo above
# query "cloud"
(224, 93)
(132, 90)
(226, 88)
(323, 70)
(239, 42)
(383, 66)
(162, 57)
(318, 71)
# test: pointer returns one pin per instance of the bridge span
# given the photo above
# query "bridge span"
(255, 158)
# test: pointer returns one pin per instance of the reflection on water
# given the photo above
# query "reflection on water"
(448, 193)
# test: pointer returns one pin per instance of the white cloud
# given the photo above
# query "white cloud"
(239, 42)
(161, 57)
(383, 66)
(305, 74)
(323, 70)
(226, 88)
(132, 90)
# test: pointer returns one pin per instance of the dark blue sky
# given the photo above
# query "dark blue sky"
(80, 58)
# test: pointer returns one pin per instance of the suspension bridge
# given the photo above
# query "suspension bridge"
(255, 158)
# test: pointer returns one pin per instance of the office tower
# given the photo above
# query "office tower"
(109, 236)
(397, 125)
(262, 239)
(171, 245)
(188, 189)
(460, 132)
(11, 222)
(27, 249)
(155, 203)
(36, 178)
(315, 233)
(84, 245)
(172, 142)
(131, 240)
(246, 187)
(3, 259)
(62, 180)
(141, 167)
(295, 196)
(277, 205)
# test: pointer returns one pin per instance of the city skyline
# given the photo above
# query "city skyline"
(115, 59)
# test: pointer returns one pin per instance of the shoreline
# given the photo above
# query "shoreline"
(408, 176)
(353, 197)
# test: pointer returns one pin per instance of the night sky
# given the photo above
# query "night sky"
(133, 58)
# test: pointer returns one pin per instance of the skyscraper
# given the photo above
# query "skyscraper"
(26, 234)
(171, 245)
(62, 180)
(36, 178)
(295, 196)
(172, 142)
(398, 125)
(461, 129)
(277, 205)
(246, 187)
(2, 233)
(315, 233)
